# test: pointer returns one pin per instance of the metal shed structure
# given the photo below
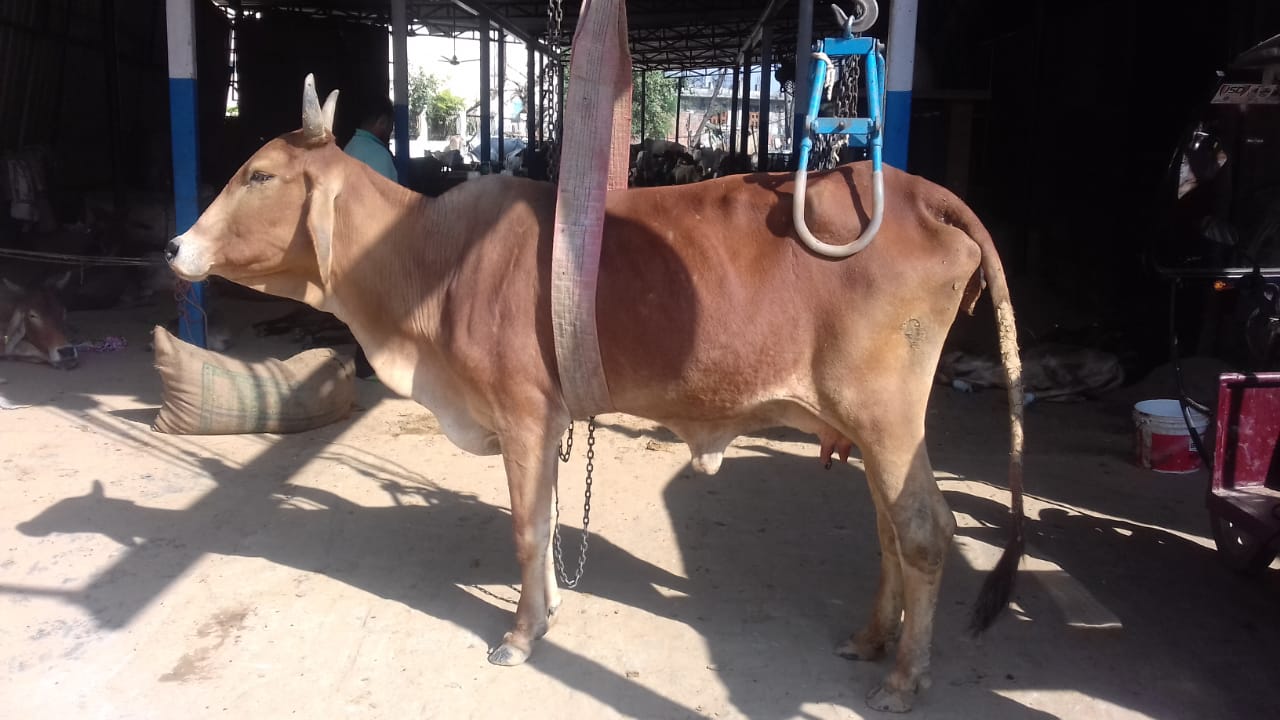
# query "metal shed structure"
(718, 34)
(999, 90)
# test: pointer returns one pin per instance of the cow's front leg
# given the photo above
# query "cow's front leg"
(531, 476)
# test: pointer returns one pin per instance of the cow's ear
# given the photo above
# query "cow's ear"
(12, 286)
(320, 224)
(15, 331)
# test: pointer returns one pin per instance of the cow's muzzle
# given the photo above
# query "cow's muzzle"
(67, 357)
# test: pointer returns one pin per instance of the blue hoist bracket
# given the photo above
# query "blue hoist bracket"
(865, 132)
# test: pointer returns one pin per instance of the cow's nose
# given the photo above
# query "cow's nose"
(171, 250)
(68, 357)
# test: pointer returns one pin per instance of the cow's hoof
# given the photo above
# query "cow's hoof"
(886, 700)
(508, 655)
(852, 650)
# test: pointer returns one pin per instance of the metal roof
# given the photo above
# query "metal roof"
(665, 34)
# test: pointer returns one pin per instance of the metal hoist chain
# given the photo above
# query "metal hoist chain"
(551, 89)
(845, 94)
(586, 507)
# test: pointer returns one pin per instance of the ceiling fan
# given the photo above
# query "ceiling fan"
(453, 35)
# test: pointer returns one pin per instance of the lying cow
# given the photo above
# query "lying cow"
(712, 329)
(34, 323)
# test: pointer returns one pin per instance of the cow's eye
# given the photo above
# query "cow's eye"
(258, 177)
(33, 316)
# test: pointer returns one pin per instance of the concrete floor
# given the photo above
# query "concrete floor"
(362, 570)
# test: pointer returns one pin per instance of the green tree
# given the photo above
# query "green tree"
(422, 88)
(427, 96)
(659, 107)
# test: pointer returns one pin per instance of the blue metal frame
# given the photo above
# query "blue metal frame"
(865, 132)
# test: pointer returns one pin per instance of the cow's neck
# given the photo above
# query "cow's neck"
(394, 253)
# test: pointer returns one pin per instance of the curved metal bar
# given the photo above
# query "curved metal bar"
(877, 174)
(827, 249)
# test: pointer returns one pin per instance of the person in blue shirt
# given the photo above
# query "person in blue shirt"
(369, 145)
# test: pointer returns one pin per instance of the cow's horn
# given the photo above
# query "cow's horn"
(329, 110)
(312, 116)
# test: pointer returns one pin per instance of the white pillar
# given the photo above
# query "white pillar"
(901, 69)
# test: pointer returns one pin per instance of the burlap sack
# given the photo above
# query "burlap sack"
(206, 393)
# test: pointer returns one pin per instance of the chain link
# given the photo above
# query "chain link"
(586, 515)
(565, 449)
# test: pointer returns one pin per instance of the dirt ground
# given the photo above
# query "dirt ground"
(363, 569)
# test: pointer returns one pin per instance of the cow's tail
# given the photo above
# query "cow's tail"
(998, 587)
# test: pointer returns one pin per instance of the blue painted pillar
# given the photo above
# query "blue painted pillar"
(400, 85)
(180, 31)
(902, 60)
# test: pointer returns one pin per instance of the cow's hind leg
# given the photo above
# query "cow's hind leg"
(531, 475)
(922, 527)
(886, 618)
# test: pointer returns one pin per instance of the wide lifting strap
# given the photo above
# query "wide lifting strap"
(594, 153)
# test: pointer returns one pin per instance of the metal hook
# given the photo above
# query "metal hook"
(865, 14)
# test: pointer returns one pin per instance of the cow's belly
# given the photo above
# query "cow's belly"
(709, 431)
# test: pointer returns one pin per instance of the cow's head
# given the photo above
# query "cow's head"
(271, 226)
(34, 323)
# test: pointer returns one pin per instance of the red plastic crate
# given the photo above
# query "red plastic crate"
(1244, 497)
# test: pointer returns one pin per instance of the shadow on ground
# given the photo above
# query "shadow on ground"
(781, 561)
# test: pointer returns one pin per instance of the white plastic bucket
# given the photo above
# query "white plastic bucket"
(1162, 442)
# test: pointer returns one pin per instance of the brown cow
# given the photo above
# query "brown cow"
(713, 320)
(33, 322)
